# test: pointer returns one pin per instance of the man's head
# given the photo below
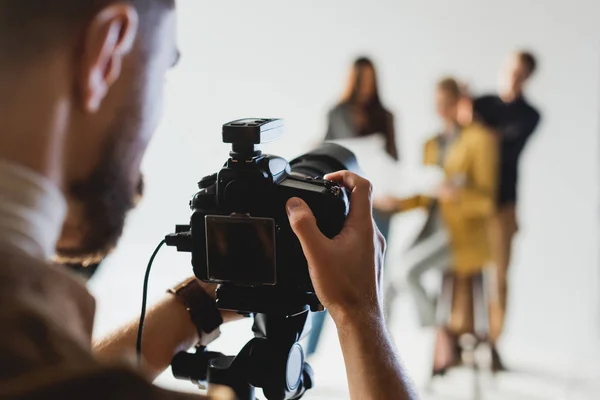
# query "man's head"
(519, 67)
(82, 86)
(446, 99)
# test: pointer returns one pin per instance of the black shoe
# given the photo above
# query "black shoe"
(497, 364)
(439, 372)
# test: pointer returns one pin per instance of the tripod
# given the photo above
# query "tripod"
(273, 361)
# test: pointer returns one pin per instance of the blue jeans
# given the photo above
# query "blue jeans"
(318, 319)
(383, 221)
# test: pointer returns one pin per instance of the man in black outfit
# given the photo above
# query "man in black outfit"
(514, 120)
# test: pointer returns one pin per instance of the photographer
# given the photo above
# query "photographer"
(82, 83)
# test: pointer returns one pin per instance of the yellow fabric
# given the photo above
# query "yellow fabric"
(414, 202)
(473, 160)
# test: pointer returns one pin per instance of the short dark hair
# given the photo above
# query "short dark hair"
(529, 60)
(31, 27)
(450, 86)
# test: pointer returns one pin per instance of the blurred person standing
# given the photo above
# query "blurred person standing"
(514, 120)
(467, 202)
(468, 205)
(360, 113)
(431, 249)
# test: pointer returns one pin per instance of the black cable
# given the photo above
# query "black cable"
(144, 298)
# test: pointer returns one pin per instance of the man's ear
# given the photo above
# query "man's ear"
(108, 39)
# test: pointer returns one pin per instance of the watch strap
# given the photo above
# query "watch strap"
(202, 309)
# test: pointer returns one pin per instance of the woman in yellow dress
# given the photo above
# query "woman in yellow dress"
(467, 202)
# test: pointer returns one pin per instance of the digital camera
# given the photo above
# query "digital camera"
(239, 234)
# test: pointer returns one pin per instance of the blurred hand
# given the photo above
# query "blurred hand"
(387, 204)
(346, 270)
(447, 192)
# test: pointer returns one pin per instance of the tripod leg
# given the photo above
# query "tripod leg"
(476, 381)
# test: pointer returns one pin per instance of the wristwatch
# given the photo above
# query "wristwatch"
(202, 309)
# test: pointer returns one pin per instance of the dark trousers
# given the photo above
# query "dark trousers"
(504, 228)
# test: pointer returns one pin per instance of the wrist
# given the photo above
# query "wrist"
(184, 330)
(357, 318)
(198, 301)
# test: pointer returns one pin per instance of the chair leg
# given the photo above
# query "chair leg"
(480, 308)
(481, 327)
(445, 300)
(477, 393)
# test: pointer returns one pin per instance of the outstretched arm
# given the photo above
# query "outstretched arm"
(346, 272)
(168, 329)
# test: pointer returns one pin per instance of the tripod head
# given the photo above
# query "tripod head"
(273, 361)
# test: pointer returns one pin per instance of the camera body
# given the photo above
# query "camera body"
(240, 236)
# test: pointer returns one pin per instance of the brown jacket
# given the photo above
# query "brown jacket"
(46, 319)
(473, 160)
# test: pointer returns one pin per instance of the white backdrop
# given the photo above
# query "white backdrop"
(291, 60)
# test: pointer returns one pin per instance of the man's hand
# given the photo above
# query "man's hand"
(346, 273)
(346, 270)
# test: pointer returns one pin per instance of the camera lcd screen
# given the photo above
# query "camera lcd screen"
(241, 250)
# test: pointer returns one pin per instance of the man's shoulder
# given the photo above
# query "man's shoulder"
(487, 102)
(489, 108)
(488, 97)
(54, 283)
(532, 110)
(46, 317)
(96, 383)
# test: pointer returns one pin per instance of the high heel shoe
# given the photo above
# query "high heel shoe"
(447, 353)
(497, 364)
(441, 372)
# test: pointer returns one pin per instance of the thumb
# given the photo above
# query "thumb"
(304, 225)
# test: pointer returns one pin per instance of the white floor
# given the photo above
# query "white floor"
(528, 381)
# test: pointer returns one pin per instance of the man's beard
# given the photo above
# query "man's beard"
(106, 196)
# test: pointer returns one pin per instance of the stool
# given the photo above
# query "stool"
(470, 328)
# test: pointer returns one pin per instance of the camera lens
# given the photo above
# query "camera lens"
(328, 158)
